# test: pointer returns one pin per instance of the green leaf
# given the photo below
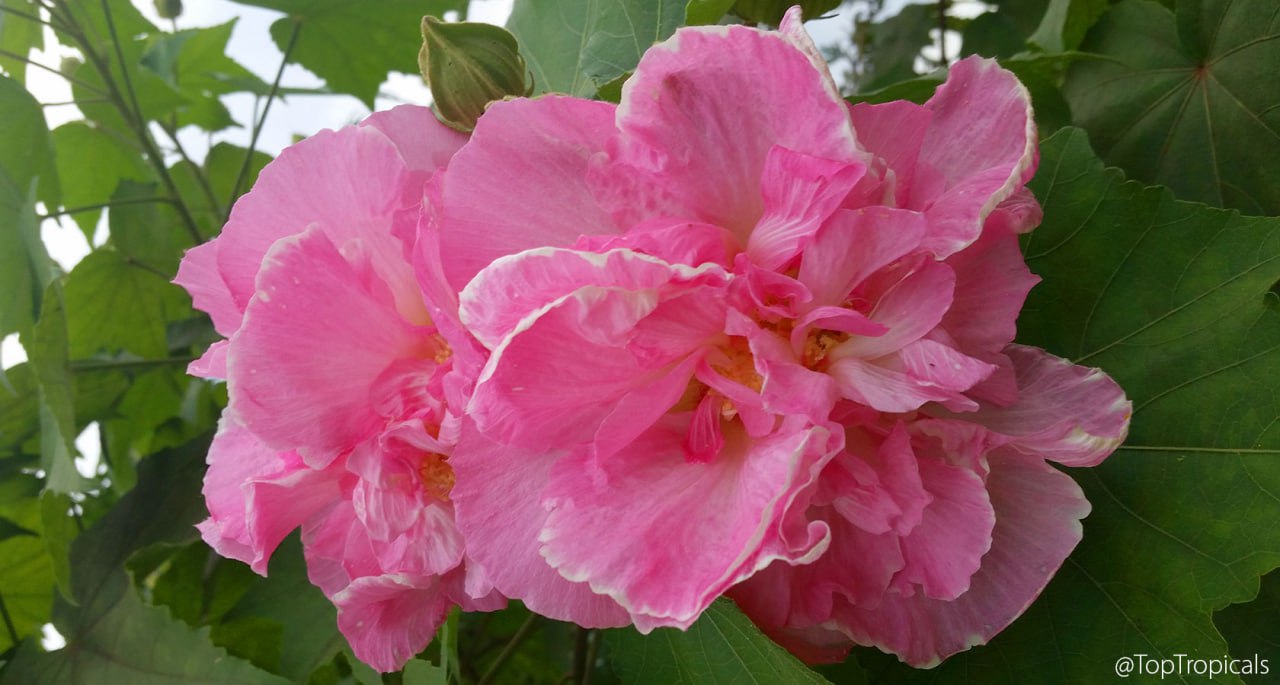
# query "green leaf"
(895, 44)
(703, 12)
(1191, 102)
(26, 150)
(1065, 24)
(1170, 298)
(9, 529)
(468, 65)
(59, 532)
(1250, 628)
(577, 46)
(91, 163)
(49, 358)
(771, 11)
(26, 580)
(19, 36)
(310, 636)
(24, 265)
(352, 61)
(95, 394)
(723, 646)
(115, 303)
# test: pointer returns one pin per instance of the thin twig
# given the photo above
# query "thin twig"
(580, 643)
(266, 109)
(71, 79)
(139, 124)
(104, 205)
(942, 32)
(77, 103)
(201, 178)
(127, 364)
(508, 650)
(8, 622)
(593, 648)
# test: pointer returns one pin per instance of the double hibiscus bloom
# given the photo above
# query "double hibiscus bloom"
(730, 337)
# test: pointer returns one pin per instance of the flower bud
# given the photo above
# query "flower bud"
(468, 65)
(169, 9)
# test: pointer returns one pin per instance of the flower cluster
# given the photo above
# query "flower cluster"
(730, 336)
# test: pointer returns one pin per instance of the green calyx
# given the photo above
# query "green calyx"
(468, 65)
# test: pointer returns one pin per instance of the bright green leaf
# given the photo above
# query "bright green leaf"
(1065, 23)
(55, 390)
(419, 672)
(19, 35)
(703, 12)
(26, 150)
(24, 264)
(26, 580)
(576, 46)
(1170, 298)
(1191, 102)
(116, 304)
(353, 61)
(723, 646)
(91, 163)
(9, 529)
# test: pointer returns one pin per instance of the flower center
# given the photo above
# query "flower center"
(818, 345)
(437, 476)
(441, 352)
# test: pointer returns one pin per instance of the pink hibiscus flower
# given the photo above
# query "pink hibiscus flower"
(760, 342)
(337, 420)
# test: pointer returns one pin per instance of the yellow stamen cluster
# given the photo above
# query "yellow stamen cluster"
(437, 476)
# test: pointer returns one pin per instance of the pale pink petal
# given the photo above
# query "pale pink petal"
(566, 366)
(673, 240)
(1071, 414)
(992, 282)
(854, 244)
(1037, 512)
(213, 363)
(389, 618)
(936, 365)
(980, 148)
(908, 305)
(946, 549)
(198, 273)
(337, 549)
(351, 184)
(664, 535)
(691, 148)
(424, 143)
(498, 500)
(257, 496)
(876, 487)
(521, 182)
(893, 132)
(516, 286)
(323, 328)
(799, 191)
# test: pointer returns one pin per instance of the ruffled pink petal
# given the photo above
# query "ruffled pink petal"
(1037, 512)
(351, 184)
(498, 500)
(799, 191)
(213, 363)
(946, 549)
(303, 370)
(521, 182)
(664, 535)
(852, 245)
(672, 240)
(568, 365)
(257, 496)
(908, 305)
(893, 132)
(689, 146)
(876, 487)
(198, 273)
(979, 149)
(424, 143)
(337, 549)
(517, 286)
(389, 618)
(992, 282)
(1074, 415)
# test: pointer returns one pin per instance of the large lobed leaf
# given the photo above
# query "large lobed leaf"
(1174, 300)
(1190, 101)
(349, 60)
(577, 46)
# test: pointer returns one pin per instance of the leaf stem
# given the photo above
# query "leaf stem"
(51, 70)
(133, 115)
(942, 32)
(126, 364)
(201, 178)
(266, 109)
(104, 205)
(8, 622)
(508, 650)
(581, 642)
